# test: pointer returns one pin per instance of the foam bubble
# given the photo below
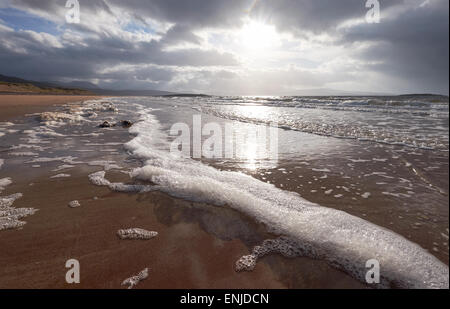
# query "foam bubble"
(4, 182)
(98, 106)
(35, 147)
(10, 216)
(282, 245)
(136, 233)
(55, 118)
(99, 179)
(35, 135)
(324, 170)
(365, 195)
(24, 154)
(66, 159)
(396, 194)
(133, 281)
(63, 167)
(74, 204)
(61, 176)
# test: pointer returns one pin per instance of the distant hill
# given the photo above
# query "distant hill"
(108, 92)
(76, 84)
(14, 85)
(9, 84)
(122, 93)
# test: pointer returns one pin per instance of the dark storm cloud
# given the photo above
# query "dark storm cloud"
(413, 45)
(104, 48)
(289, 15)
(410, 44)
(309, 15)
(198, 13)
(180, 34)
(28, 54)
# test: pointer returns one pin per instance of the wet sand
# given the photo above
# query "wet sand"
(196, 247)
(198, 244)
(422, 219)
(12, 106)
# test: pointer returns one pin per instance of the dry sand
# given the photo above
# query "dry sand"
(12, 106)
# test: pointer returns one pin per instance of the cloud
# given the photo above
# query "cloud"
(315, 16)
(44, 56)
(412, 45)
(180, 34)
(195, 44)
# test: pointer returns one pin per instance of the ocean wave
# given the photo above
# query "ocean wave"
(343, 240)
(366, 105)
(340, 129)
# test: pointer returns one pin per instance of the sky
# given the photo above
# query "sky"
(231, 47)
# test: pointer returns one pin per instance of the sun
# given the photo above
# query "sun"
(258, 36)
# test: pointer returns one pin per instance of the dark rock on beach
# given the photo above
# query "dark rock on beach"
(126, 124)
(106, 124)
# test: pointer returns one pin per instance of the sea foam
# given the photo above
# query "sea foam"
(133, 281)
(61, 176)
(10, 216)
(4, 182)
(136, 234)
(344, 241)
(74, 204)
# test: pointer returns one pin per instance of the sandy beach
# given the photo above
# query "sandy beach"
(197, 246)
(50, 163)
(12, 106)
